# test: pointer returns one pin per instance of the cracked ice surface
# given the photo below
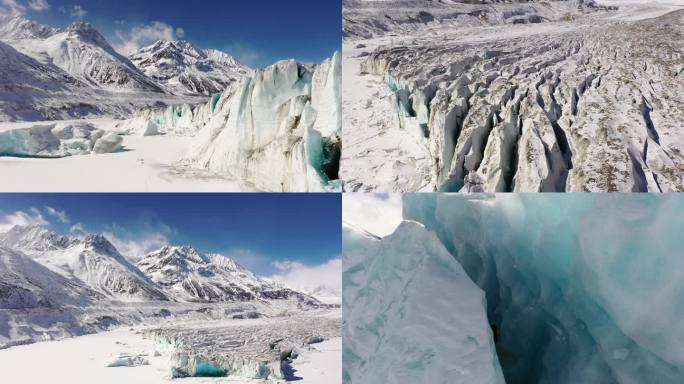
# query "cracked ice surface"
(589, 104)
(248, 349)
(583, 288)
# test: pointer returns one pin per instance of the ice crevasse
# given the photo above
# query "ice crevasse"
(278, 129)
(582, 288)
(412, 315)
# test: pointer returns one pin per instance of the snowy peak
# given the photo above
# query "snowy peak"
(186, 69)
(34, 238)
(19, 27)
(87, 33)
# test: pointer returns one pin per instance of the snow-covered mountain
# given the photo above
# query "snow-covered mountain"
(189, 275)
(184, 69)
(93, 260)
(80, 50)
(178, 273)
(24, 283)
(73, 72)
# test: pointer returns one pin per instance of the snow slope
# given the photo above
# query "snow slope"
(184, 69)
(412, 315)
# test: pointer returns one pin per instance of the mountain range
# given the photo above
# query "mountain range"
(52, 73)
(38, 262)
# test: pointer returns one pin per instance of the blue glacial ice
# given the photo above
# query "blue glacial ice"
(411, 314)
(581, 288)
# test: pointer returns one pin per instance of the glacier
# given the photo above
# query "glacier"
(411, 314)
(582, 288)
(58, 140)
(278, 128)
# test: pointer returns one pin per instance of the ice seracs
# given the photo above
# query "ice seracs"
(185, 69)
(267, 130)
(58, 140)
(411, 312)
(578, 102)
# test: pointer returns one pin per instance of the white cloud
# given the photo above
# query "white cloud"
(11, 7)
(379, 214)
(59, 215)
(77, 12)
(143, 35)
(77, 230)
(39, 5)
(310, 277)
(33, 217)
(135, 248)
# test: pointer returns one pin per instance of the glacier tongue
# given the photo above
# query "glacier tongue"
(411, 313)
(278, 129)
(583, 288)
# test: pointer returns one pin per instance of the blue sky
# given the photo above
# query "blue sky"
(256, 32)
(262, 231)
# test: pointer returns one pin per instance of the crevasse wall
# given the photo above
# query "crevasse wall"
(583, 288)
(411, 313)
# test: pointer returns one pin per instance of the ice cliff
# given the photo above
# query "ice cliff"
(278, 129)
(411, 313)
(582, 288)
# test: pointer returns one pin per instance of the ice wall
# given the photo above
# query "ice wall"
(278, 129)
(582, 288)
(411, 313)
(179, 120)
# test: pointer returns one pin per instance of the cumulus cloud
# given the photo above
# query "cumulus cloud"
(39, 5)
(143, 35)
(379, 214)
(56, 213)
(324, 279)
(32, 217)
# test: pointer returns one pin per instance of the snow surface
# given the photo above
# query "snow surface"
(145, 164)
(412, 315)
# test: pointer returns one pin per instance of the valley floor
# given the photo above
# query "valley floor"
(145, 164)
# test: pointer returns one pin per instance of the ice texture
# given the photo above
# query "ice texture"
(582, 288)
(58, 140)
(278, 129)
(177, 120)
(253, 349)
(412, 315)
